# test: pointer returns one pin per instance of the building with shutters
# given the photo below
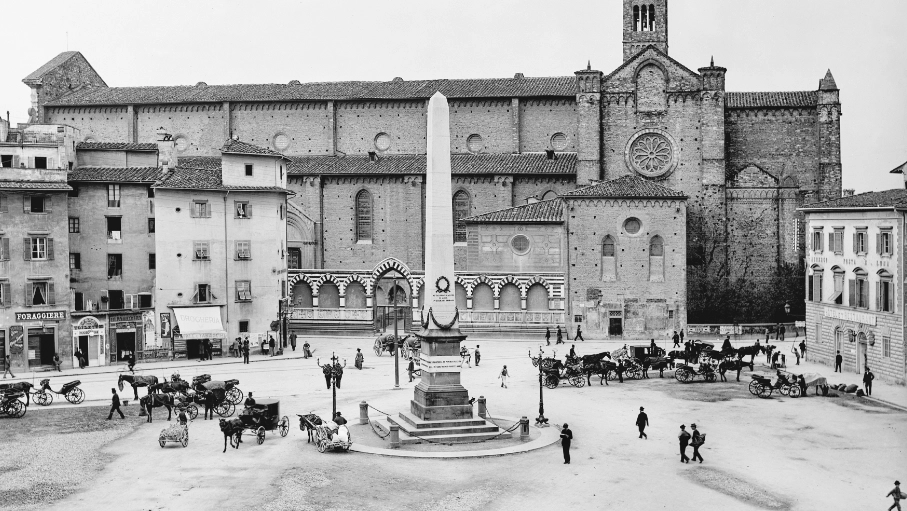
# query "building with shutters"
(855, 293)
(746, 161)
(34, 269)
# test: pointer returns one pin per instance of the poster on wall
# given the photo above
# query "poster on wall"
(16, 339)
(166, 332)
(149, 332)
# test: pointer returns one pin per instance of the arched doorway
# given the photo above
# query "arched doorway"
(392, 297)
(862, 353)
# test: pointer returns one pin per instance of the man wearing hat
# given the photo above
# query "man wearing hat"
(684, 438)
(696, 441)
(115, 405)
(566, 438)
(642, 420)
(896, 493)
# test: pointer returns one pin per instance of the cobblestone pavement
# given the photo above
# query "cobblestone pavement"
(780, 453)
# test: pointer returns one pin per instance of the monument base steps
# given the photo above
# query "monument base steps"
(439, 431)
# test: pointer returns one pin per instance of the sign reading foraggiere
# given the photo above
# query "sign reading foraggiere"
(41, 316)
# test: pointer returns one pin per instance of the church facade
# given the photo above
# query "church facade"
(742, 161)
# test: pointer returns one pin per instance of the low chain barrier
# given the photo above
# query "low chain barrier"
(429, 440)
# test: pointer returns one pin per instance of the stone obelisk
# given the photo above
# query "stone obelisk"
(439, 396)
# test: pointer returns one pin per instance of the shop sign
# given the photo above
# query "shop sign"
(854, 316)
(129, 318)
(41, 316)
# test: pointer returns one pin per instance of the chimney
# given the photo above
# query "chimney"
(847, 192)
(372, 156)
(165, 157)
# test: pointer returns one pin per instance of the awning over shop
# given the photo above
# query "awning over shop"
(200, 323)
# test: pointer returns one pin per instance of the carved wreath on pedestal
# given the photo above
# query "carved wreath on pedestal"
(651, 153)
(442, 285)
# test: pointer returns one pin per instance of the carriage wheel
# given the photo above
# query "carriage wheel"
(678, 374)
(785, 389)
(552, 381)
(75, 396)
(185, 440)
(578, 380)
(378, 347)
(710, 377)
(43, 398)
(161, 441)
(754, 388)
(17, 409)
(765, 391)
(225, 408)
(795, 391)
(234, 395)
(260, 435)
(611, 375)
(283, 426)
(321, 445)
(193, 411)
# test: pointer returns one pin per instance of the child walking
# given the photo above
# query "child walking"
(503, 376)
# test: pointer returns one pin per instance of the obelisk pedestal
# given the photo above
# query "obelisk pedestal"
(439, 396)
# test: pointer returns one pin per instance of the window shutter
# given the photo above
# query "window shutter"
(878, 296)
(4, 290)
(50, 163)
(4, 249)
(249, 210)
(26, 249)
(195, 296)
(831, 241)
(4, 205)
(852, 293)
(192, 207)
(819, 280)
(50, 249)
(811, 288)
(105, 305)
(879, 243)
(855, 247)
(48, 204)
(891, 296)
(28, 294)
(26, 203)
(31, 162)
(821, 242)
(51, 295)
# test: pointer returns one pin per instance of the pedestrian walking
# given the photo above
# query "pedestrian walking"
(579, 334)
(8, 367)
(566, 438)
(781, 331)
(681, 336)
(245, 351)
(867, 381)
(803, 349)
(838, 360)
(696, 442)
(796, 353)
(676, 339)
(115, 405)
(306, 350)
(503, 376)
(768, 353)
(560, 336)
(411, 368)
(642, 420)
(897, 495)
(768, 335)
(548, 336)
(478, 355)
(464, 356)
(361, 358)
(293, 342)
(684, 438)
(271, 344)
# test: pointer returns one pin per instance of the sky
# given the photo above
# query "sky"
(766, 45)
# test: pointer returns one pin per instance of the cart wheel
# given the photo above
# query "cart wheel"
(44, 398)
(754, 388)
(765, 391)
(234, 395)
(678, 374)
(578, 381)
(17, 409)
(75, 396)
(795, 391)
(260, 434)
(551, 381)
(321, 445)
(611, 375)
(185, 440)
(378, 347)
(283, 426)
(193, 411)
(161, 440)
(225, 409)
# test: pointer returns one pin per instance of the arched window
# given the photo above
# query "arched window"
(636, 18)
(550, 194)
(364, 216)
(859, 289)
(608, 260)
(460, 211)
(814, 291)
(608, 247)
(885, 291)
(656, 259)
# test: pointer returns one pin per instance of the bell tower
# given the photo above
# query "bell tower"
(645, 23)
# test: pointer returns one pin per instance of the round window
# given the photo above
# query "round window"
(181, 143)
(651, 153)
(382, 141)
(281, 141)
(558, 141)
(519, 244)
(475, 143)
(632, 225)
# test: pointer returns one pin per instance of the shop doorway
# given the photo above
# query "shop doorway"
(125, 345)
(615, 327)
(83, 347)
(195, 348)
(861, 353)
(41, 347)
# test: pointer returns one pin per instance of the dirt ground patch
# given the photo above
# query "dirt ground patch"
(737, 488)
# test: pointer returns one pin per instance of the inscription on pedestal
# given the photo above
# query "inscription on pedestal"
(439, 364)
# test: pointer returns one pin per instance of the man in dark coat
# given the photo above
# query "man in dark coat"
(579, 334)
(245, 351)
(642, 420)
(676, 339)
(210, 402)
(838, 360)
(696, 442)
(115, 405)
(867, 381)
(411, 369)
(620, 370)
(293, 341)
(478, 355)
(684, 438)
(548, 336)
(560, 337)
(566, 438)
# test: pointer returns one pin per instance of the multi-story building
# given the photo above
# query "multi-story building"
(745, 160)
(221, 247)
(855, 293)
(112, 257)
(34, 268)
(38, 146)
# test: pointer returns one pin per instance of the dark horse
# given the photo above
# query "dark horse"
(152, 401)
(232, 429)
(732, 365)
(19, 386)
(136, 382)
(659, 363)
(175, 386)
(600, 367)
(752, 351)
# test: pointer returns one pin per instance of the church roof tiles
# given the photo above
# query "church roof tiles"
(234, 146)
(771, 99)
(116, 146)
(537, 212)
(183, 178)
(314, 91)
(37, 74)
(626, 186)
(895, 198)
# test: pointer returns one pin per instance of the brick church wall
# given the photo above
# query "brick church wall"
(306, 126)
(540, 119)
(198, 130)
(359, 122)
(490, 119)
(100, 124)
(528, 186)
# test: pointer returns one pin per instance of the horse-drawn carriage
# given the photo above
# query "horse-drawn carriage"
(687, 373)
(231, 391)
(762, 386)
(223, 402)
(263, 416)
(11, 403)
(177, 433)
(71, 391)
(409, 345)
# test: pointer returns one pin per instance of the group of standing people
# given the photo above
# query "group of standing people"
(695, 440)
(559, 335)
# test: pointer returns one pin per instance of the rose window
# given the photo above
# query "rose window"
(651, 154)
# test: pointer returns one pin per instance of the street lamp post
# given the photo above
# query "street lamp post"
(541, 421)
(334, 372)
